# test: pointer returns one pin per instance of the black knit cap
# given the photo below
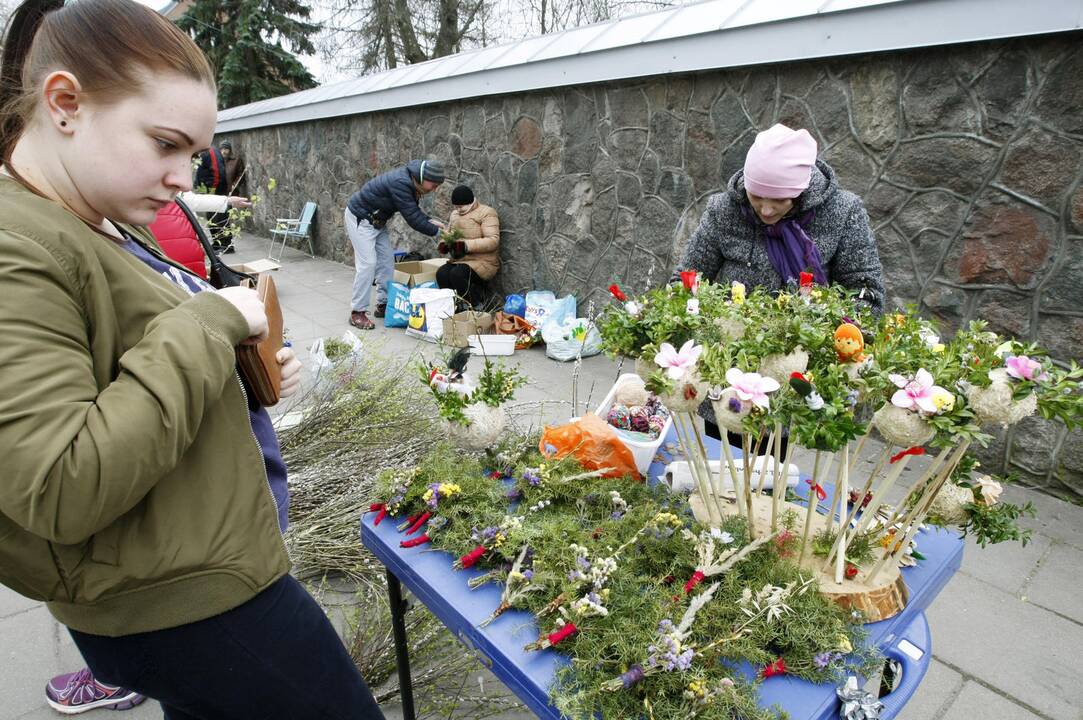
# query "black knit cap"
(462, 195)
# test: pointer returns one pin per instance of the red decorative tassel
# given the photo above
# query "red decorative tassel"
(380, 515)
(697, 578)
(821, 494)
(615, 291)
(414, 542)
(564, 633)
(909, 451)
(778, 667)
(421, 520)
(471, 558)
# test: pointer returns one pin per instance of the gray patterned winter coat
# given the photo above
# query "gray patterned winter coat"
(727, 246)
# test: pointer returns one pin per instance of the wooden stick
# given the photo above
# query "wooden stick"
(763, 465)
(860, 446)
(917, 515)
(919, 486)
(878, 497)
(777, 457)
(748, 486)
(690, 453)
(840, 561)
(713, 481)
(738, 489)
(831, 512)
(813, 503)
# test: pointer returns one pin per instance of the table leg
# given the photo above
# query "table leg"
(402, 650)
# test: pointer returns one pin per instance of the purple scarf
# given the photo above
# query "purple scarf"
(790, 249)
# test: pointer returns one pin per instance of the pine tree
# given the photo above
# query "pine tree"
(243, 39)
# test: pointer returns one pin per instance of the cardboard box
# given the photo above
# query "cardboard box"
(461, 325)
(413, 273)
(255, 267)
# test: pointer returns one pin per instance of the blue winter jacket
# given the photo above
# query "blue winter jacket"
(393, 192)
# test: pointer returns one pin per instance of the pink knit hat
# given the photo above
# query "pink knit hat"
(779, 163)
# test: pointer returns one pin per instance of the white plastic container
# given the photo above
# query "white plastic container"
(643, 452)
(491, 345)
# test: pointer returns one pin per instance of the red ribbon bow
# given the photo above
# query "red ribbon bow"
(821, 494)
(778, 667)
(909, 451)
(471, 558)
(615, 291)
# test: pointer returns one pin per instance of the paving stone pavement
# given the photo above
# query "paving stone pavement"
(1007, 630)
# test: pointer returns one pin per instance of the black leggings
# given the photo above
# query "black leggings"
(276, 656)
(466, 283)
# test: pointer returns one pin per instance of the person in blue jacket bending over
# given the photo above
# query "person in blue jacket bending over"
(367, 213)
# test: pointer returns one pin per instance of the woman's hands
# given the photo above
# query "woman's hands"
(291, 372)
(236, 201)
(247, 302)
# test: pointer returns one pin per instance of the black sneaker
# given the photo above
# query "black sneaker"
(381, 310)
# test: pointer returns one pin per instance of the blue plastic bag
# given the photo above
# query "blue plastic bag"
(515, 305)
(399, 308)
(543, 308)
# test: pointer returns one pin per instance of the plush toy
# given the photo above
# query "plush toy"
(849, 343)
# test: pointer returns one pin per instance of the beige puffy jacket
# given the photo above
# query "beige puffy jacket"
(480, 227)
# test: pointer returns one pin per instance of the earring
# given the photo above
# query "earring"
(63, 123)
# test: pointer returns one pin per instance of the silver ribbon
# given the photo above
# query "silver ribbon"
(857, 704)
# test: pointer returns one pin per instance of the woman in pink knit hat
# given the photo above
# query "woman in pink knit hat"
(782, 215)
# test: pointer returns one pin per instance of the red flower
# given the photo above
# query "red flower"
(851, 570)
(806, 280)
(616, 292)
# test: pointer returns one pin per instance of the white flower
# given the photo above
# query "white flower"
(814, 401)
(990, 490)
(692, 306)
(632, 308)
(721, 536)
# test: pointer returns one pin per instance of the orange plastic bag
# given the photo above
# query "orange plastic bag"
(593, 443)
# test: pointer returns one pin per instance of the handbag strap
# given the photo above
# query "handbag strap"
(221, 275)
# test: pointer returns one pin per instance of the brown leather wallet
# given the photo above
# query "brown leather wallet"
(258, 363)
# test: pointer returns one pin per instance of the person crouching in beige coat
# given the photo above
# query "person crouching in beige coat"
(475, 257)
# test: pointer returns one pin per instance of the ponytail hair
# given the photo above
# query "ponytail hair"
(109, 45)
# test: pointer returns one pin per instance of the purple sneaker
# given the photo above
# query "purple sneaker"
(77, 692)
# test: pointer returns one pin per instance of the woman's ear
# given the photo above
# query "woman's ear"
(62, 95)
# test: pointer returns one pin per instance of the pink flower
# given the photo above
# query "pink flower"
(751, 386)
(916, 393)
(1021, 367)
(678, 363)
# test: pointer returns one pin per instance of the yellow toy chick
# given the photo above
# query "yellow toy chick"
(849, 344)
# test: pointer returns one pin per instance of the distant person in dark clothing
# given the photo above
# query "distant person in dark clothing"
(475, 257)
(211, 179)
(235, 175)
(366, 217)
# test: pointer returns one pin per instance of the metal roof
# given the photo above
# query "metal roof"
(707, 35)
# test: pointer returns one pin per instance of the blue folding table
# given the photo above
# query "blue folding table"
(429, 576)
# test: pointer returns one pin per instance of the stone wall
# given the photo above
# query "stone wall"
(968, 158)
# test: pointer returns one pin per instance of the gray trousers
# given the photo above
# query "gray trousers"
(372, 259)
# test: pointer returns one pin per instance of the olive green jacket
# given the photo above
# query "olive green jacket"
(133, 495)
